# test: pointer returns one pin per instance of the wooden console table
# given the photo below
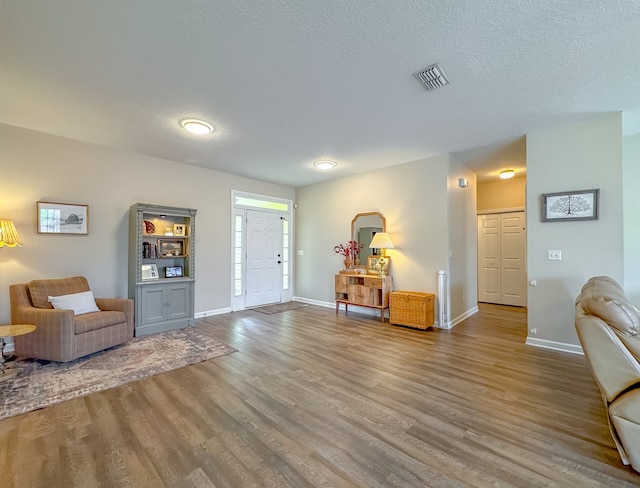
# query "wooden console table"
(363, 290)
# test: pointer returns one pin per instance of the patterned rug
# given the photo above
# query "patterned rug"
(41, 383)
(280, 307)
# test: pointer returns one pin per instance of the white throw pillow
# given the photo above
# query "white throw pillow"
(78, 302)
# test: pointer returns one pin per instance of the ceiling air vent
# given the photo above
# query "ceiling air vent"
(432, 77)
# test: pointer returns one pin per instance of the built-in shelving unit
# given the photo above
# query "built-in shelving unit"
(161, 266)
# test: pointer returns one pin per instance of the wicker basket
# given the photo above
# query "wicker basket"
(411, 308)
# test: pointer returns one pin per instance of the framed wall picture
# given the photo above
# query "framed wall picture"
(149, 272)
(62, 218)
(178, 230)
(570, 205)
(170, 247)
(378, 265)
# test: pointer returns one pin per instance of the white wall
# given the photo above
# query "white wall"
(574, 157)
(414, 199)
(463, 242)
(631, 204)
(37, 166)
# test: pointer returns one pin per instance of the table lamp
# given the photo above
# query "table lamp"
(382, 241)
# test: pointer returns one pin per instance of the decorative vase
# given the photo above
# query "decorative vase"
(347, 263)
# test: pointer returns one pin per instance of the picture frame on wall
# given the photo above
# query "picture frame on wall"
(570, 205)
(62, 218)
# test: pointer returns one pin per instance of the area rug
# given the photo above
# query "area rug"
(41, 383)
(280, 307)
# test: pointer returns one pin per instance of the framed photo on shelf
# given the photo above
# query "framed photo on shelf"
(173, 272)
(570, 205)
(149, 272)
(378, 265)
(62, 218)
(170, 247)
(178, 230)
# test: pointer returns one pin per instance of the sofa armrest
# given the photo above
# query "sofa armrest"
(46, 319)
(53, 337)
(613, 366)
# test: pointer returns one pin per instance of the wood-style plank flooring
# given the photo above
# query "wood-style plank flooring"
(318, 400)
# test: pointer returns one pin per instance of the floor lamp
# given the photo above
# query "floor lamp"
(9, 237)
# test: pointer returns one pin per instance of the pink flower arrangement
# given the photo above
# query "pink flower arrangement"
(349, 250)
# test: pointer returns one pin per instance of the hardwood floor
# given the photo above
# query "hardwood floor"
(318, 400)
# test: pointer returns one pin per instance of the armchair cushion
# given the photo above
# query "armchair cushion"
(98, 320)
(41, 290)
(80, 303)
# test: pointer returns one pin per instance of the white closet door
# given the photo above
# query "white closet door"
(502, 276)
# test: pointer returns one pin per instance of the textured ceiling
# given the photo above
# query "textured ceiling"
(289, 82)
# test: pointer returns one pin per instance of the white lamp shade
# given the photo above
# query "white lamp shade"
(381, 240)
(8, 234)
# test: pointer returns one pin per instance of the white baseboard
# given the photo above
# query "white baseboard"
(209, 313)
(556, 346)
(311, 301)
(352, 308)
(459, 318)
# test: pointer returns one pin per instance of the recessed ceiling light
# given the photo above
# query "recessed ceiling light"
(324, 164)
(196, 126)
(507, 173)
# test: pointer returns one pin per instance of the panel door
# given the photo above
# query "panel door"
(264, 256)
(513, 276)
(152, 300)
(178, 301)
(489, 259)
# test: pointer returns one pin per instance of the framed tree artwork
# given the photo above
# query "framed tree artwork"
(570, 205)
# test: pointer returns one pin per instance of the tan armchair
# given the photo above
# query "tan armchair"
(608, 327)
(61, 335)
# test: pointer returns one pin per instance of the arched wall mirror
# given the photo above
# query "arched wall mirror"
(363, 228)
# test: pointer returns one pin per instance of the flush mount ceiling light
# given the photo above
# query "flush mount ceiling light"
(196, 126)
(507, 173)
(324, 164)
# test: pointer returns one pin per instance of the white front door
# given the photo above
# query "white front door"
(264, 257)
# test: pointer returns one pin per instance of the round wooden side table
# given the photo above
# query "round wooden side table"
(11, 331)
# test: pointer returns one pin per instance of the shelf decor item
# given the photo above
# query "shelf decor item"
(173, 272)
(62, 218)
(149, 272)
(178, 230)
(570, 205)
(170, 247)
(149, 228)
(378, 265)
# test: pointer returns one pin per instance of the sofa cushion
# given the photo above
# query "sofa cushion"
(41, 290)
(80, 303)
(98, 320)
(603, 297)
